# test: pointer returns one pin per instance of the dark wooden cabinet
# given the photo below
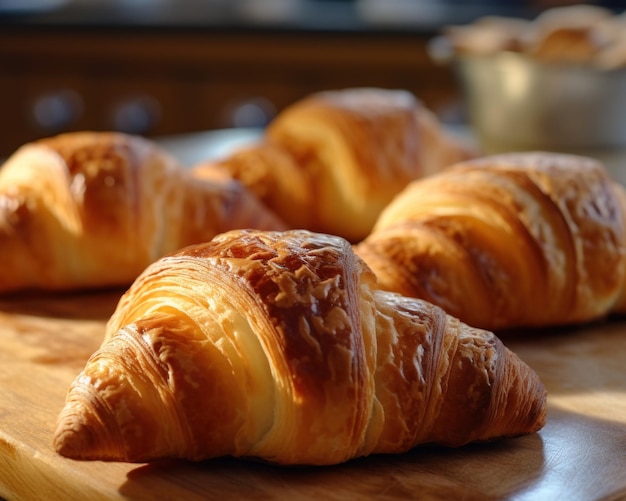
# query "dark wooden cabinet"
(162, 81)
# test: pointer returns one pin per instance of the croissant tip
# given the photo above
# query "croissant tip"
(79, 436)
(72, 439)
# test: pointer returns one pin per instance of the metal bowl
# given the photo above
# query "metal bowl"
(514, 102)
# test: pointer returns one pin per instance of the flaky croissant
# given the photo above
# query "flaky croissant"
(570, 34)
(505, 241)
(331, 161)
(93, 209)
(275, 345)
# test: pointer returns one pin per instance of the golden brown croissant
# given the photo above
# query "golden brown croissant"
(93, 209)
(519, 239)
(275, 345)
(570, 34)
(332, 161)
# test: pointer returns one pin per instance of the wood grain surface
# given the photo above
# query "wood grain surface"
(579, 455)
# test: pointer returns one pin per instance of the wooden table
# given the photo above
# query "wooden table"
(579, 455)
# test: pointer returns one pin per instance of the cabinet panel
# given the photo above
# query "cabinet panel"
(160, 82)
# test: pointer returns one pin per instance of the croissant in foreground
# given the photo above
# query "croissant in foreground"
(276, 346)
(507, 241)
(332, 161)
(93, 209)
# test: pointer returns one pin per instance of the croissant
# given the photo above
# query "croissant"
(507, 241)
(331, 161)
(277, 346)
(93, 209)
(570, 34)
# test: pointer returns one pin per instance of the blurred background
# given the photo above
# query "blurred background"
(167, 67)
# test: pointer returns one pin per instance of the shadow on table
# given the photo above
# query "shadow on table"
(573, 457)
(474, 472)
(88, 305)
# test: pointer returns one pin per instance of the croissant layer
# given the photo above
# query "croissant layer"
(277, 345)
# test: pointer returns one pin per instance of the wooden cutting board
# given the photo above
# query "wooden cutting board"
(580, 454)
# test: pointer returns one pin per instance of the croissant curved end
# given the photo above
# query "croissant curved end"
(74, 438)
(85, 428)
(114, 409)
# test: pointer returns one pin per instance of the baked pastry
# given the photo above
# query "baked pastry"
(505, 241)
(332, 161)
(93, 209)
(570, 34)
(590, 36)
(487, 35)
(276, 345)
